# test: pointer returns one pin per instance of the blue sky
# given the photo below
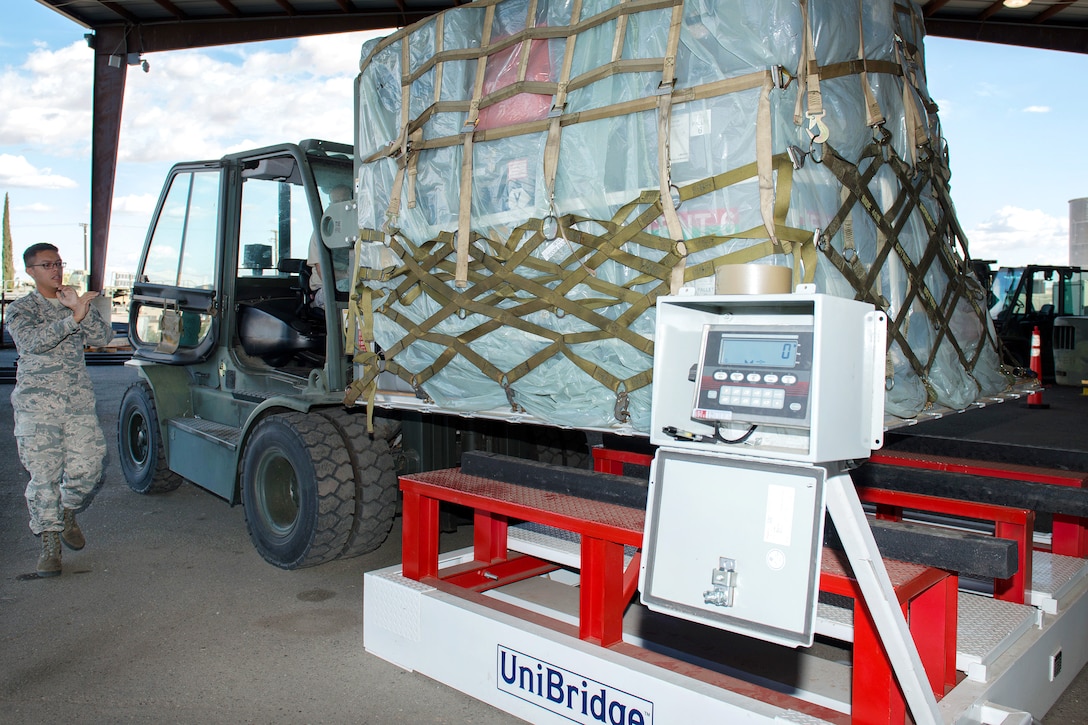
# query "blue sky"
(1009, 114)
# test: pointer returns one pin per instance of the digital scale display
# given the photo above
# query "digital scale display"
(758, 351)
(758, 376)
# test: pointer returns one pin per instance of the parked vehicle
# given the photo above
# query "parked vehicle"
(1023, 298)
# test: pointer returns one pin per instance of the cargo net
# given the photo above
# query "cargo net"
(533, 174)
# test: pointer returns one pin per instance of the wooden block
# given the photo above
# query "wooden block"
(959, 551)
(1039, 497)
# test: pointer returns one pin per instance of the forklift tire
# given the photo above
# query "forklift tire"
(139, 443)
(375, 478)
(298, 490)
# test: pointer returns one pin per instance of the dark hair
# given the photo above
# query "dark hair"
(34, 249)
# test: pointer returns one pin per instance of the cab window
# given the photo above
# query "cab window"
(276, 223)
(182, 248)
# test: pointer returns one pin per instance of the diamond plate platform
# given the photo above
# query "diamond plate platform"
(1054, 576)
(987, 628)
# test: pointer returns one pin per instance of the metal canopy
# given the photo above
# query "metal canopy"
(123, 27)
(1046, 24)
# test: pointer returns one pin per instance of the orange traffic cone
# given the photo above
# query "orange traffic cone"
(1035, 400)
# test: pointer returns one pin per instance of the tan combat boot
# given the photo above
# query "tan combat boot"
(49, 561)
(72, 536)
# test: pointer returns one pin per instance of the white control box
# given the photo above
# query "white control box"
(793, 377)
(735, 544)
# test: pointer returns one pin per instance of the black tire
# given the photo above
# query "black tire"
(298, 490)
(139, 443)
(374, 463)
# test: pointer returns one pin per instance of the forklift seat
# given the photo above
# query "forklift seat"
(276, 329)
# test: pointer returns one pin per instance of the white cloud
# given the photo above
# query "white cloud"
(46, 101)
(37, 207)
(194, 104)
(135, 204)
(1015, 237)
(1037, 109)
(16, 171)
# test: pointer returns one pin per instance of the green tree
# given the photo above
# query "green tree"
(8, 277)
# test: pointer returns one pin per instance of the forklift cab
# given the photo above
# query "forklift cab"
(225, 265)
(1024, 298)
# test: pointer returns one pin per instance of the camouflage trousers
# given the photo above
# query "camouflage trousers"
(65, 459)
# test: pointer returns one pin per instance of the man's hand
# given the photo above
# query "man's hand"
(79, 304)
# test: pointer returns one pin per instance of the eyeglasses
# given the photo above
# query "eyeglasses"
(50, 265)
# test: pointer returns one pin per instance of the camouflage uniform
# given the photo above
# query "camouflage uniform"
(60, 441)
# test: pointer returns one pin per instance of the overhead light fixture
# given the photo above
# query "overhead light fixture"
(116, 60)
(1015, 3)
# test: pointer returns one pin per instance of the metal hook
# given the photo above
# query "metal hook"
(816, 122)
(549, 227)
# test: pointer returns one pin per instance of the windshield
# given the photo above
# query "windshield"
(1004, 287)
(1050, 291)
(333, 175)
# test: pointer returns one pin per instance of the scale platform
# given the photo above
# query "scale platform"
(517, 648)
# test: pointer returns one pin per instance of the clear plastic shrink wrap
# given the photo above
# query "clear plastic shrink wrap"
(540, 171)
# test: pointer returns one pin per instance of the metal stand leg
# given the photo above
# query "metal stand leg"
(876, 588)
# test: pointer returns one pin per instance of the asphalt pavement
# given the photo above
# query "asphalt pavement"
(170, 616)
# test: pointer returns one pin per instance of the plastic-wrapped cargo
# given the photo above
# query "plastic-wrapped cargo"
(533, 174)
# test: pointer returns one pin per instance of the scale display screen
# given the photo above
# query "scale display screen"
(770, 352)
(755, 375)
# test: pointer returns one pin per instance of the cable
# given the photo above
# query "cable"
(688, 437)
(746, 436)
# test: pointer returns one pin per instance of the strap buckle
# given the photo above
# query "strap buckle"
(781, 77)
(620, 411)
(880, 134)
(797, 156)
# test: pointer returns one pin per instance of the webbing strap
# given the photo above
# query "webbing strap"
(367, 384)
(764, 162)
(526, 45)
(551, 146)
(874, 116)
(393, 210)
(350, 319)
(664, 139)
(938, 312)
(913, 118)
(805, 62)
(464, 217)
